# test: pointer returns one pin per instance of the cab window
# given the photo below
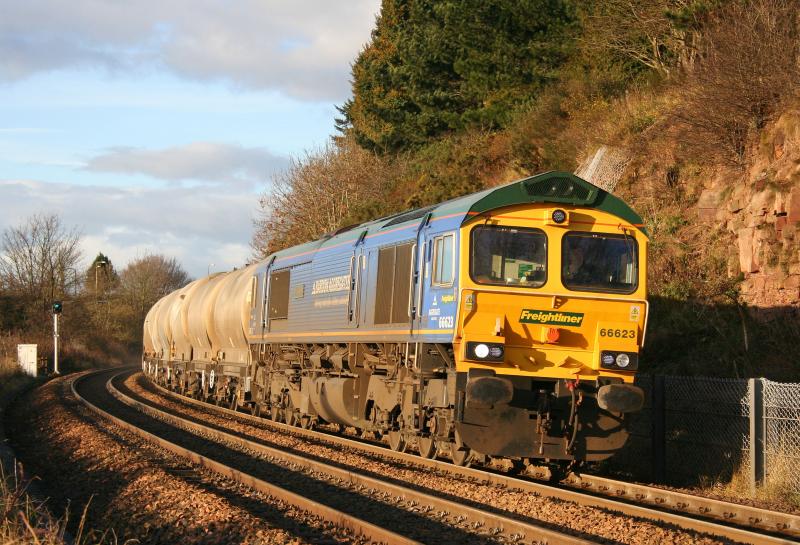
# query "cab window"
(508, 256)
(599, 262)
(443, 260)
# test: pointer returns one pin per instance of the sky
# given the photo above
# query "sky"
(153, 126)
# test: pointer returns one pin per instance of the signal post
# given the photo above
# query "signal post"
(56, 312)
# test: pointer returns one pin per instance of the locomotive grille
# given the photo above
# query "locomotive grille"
(408, 216)
(561, 190)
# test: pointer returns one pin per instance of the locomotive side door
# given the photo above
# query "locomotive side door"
(357, 272)
(258, 302)
(438, 307)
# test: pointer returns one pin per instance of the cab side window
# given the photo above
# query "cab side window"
(444, 260)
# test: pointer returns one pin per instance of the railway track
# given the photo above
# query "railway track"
(736, 522)
(387, 512)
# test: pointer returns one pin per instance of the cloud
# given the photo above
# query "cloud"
(206, 225)
(301, 48)
(206, 161)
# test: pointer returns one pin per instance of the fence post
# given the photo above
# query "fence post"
(755, 387)
(658, 435)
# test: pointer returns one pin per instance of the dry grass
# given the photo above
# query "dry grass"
(23, 520)
(777, 492)
(12, 380)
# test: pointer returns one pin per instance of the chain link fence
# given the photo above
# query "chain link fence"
(706, 425)
(698, 430)
(782, 434)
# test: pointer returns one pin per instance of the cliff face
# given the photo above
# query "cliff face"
(724, 258)
(762, 212)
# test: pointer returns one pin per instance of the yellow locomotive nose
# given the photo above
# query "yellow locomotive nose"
(551, 335)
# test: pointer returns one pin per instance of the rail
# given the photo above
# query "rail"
(357, 526)
(495, 524)
(742, 523)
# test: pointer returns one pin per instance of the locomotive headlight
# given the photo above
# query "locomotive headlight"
(496, 352)
(627, 361)
(490, 352)
(481, 350)
(559, 216)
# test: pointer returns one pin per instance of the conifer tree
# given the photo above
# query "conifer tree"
(438, 67)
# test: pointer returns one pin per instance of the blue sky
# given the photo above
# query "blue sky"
(154, 126)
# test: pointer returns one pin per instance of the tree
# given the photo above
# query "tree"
(435, 67)
(100, 277)
(143, 282)
(748, 68)
(340, 184)
(38, 263)
(643, 35)
(100, 288)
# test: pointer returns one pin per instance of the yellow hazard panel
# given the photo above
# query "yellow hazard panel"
(622, 336)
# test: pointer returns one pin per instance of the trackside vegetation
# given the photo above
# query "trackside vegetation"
(454, 96)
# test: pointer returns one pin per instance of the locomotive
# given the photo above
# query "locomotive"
(505, 325)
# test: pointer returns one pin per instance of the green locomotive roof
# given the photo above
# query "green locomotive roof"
(549, 187)
(558, 188)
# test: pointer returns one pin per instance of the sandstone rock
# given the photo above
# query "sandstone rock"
(780, 225)
(735, 205)
(779, 207)
(792, 282)
(762, 202)
(738, 200)
(707, 215)
(709, 204)
(747, 261)
(775, 280)
(793, 206)
(759, 284)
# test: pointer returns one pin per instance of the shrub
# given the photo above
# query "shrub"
(747, 69)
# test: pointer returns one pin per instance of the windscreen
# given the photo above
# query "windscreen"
(599, 262)
(508, 256)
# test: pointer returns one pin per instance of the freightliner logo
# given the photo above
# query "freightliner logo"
(549, 317)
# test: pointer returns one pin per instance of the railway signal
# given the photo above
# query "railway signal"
(57, 308)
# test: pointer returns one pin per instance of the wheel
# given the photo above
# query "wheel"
(517, 467)
(426, 446)
(558, 471)
(306, 422)
(275, 414)
(460, 453)
(397, 441)
(462, 456)
(290, 416)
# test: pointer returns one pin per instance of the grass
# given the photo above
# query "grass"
(777, 491)
(23, 519)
